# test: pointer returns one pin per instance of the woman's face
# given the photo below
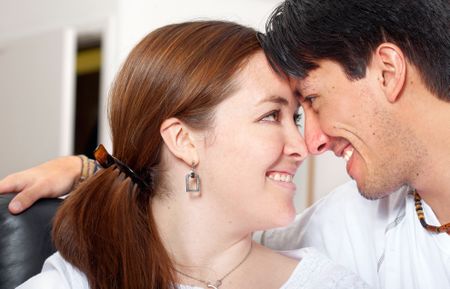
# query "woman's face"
(249, 159)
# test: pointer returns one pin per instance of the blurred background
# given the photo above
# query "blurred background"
(58, 58)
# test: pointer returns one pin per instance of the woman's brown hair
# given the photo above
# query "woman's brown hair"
(106, 227)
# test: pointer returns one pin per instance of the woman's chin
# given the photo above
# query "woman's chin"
(284, 218)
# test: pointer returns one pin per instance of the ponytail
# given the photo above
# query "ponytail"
(106, 229)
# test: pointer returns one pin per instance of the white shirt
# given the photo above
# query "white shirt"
(382, 241)
(314, 271)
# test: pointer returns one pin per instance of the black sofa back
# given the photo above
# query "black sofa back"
(25, 240)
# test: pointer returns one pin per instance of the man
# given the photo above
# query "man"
(373, 78)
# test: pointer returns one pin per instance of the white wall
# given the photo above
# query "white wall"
(329, 172)
(138, 17)
(23, 17)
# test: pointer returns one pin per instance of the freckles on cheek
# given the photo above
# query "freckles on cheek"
(227, 143)
(248, 142)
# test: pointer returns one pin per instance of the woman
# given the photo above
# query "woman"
(206, 145)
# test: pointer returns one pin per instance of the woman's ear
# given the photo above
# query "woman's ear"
(392, 66)
(179, 140)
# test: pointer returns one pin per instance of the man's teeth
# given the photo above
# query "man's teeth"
(281, 177)
(348, 154)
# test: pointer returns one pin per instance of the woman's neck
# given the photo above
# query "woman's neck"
(199, 240)
(208, 244)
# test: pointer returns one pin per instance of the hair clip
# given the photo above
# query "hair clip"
(106, 160)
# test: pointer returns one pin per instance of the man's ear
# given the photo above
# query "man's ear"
(392, 66)
(179, 140)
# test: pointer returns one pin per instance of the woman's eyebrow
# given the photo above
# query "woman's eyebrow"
(275, 99)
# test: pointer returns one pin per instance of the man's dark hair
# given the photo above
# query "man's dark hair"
(299, 33)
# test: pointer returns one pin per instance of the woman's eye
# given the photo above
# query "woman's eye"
(298, 119)
(272, 116)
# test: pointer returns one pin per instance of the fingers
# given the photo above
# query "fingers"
(23, 201)
(51, 179)
(10, 184)
(17, 183)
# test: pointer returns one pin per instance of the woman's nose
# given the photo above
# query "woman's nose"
(295, 145)
(316, 140)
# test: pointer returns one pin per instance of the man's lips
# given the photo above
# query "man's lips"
(345, 151)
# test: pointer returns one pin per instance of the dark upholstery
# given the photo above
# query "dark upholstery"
(25, 240)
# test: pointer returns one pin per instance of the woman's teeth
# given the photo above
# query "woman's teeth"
(281, 177)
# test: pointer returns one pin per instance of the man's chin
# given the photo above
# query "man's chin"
(370, 196)
(375, 193)
(364, 192)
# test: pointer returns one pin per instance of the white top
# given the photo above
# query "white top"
(382, 241)
(314, 271)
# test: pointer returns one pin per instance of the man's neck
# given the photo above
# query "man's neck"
(440, 204)
(433, 182)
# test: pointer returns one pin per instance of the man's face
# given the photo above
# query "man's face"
(354, 120)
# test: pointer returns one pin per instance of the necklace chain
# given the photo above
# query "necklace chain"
(218, 282)
(419, 210)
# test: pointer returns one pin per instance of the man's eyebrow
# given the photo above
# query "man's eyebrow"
(275, 99)
(305, 85)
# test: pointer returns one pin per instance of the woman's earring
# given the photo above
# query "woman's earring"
(192, 181)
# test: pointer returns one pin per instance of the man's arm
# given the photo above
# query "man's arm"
(48, 180)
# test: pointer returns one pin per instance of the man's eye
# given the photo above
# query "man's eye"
(272, 116)
(311, 98)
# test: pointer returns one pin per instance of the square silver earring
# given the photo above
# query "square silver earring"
(192, 180)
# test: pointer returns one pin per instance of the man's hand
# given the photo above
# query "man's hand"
(48, 180)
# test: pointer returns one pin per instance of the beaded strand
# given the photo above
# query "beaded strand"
(419, 210)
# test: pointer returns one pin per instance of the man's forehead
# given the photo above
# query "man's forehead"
(300, 85)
